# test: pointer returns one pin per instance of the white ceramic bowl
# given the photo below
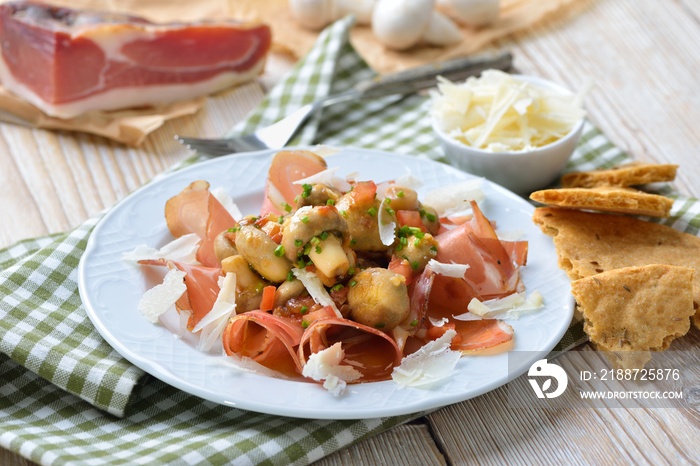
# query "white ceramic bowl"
(520, 171)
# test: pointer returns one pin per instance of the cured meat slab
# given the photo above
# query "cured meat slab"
(68, 62)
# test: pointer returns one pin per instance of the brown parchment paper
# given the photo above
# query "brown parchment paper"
(287, 35)
(130, 126)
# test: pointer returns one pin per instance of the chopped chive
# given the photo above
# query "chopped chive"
(307, 190)
(414, 265)
(433, 248)
(315, 240)
(318, 249)
(352, 241)
(337, 287)
(279, 251)
(301, 264)
(343, 213)
(390, 211)
(287, 207)
(296, 199)
(372, 211)
(351, 271)
(280, 220)
(330, 202)
(353, 283)
(304, 324)
(430, 217)
(305, 219)
(414, 323)
(323, 235)
(303, 310)
(298, 243)
(400, 194)
(307, 248)
(290, 276)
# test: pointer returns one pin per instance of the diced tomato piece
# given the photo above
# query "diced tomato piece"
(410, 218)
(268, 298)
(363, 192)
(401, 266)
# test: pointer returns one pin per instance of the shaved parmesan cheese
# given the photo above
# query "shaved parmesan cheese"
(455, 197)
(212, 325)
(512, 306)
(227, 201)
(316, 289)
(387, 226)
(432, 362)
(182, 249)
(327, 177)
(512, 235)
(467, 316)
(438, 322)
(448, 270)
(156, 301)
(499, 112)
(325, 365)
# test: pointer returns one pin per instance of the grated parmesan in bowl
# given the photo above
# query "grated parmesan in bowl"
(518, 131)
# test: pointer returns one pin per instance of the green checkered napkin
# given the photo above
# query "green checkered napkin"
(67, 398)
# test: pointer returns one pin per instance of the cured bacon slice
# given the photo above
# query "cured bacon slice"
(372, 352)
(67, 62)
(196, 210)
(286, 168)
(474, 335)
(267, 339)
(202, 287)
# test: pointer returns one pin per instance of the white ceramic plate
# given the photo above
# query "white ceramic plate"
(111, 289)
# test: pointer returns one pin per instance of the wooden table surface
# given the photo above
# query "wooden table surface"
(644, 56)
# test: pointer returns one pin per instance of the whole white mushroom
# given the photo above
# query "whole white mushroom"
(442, 31)
(317, 14)
(400, 24)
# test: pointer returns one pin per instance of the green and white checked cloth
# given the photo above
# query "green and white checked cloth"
(66, 397)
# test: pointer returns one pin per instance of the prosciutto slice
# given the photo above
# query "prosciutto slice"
(67, 62)
(196, 210)
(370, 351)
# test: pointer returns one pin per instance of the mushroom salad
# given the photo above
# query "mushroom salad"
(336, 280)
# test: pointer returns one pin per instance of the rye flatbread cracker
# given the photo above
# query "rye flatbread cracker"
(590, 243)
(636, 308)
(607, 199)
(630, 174)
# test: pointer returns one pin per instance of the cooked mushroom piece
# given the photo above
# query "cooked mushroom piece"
(378, 298)
(417, 249)
(430, 219)
(402, 198)
(223, 246)
(249, 285)
(319, 194)
(262, 253)
(362, 215)
(288, 290)
(320, 233)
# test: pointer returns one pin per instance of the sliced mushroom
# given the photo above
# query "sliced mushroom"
(320, 233)
(262, 253)
(249, 285)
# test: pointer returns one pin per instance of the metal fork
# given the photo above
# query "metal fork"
(409, 81)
